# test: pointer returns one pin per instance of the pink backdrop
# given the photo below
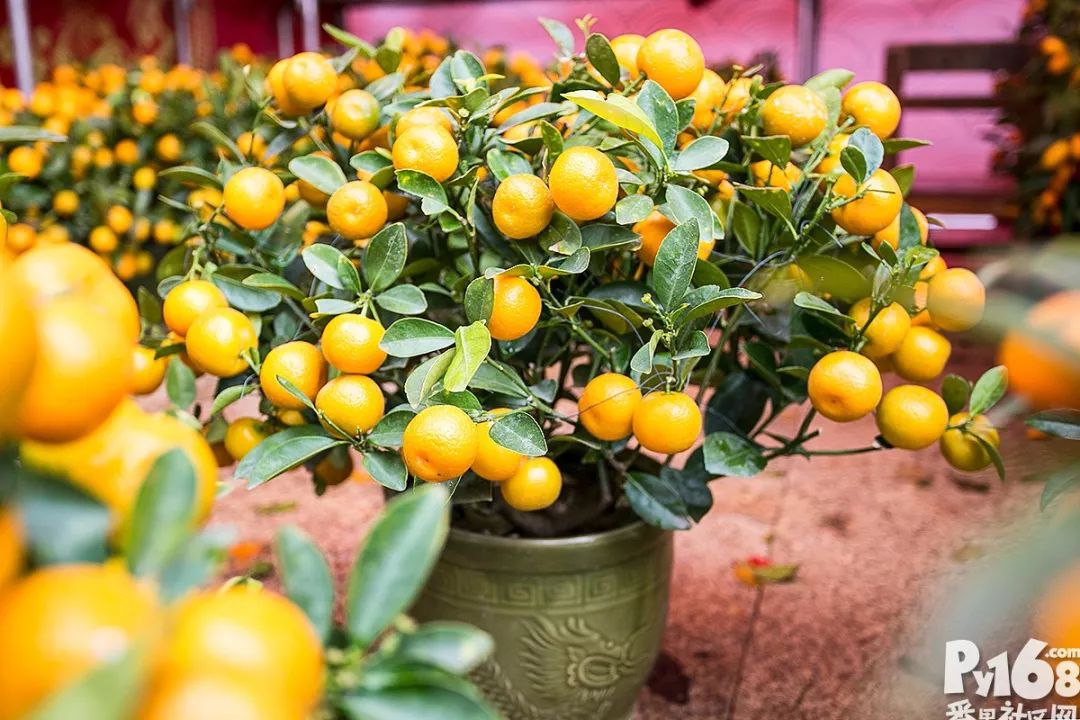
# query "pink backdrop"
(854, 34)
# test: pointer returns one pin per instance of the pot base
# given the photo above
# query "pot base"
(577, 622)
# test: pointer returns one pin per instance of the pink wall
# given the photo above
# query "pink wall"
(854, 34)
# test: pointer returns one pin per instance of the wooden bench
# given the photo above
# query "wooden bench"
(974, 195)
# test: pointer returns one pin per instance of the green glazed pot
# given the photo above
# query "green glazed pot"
(577, 621)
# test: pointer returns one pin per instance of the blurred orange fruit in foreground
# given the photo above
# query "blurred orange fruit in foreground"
(1043, 353)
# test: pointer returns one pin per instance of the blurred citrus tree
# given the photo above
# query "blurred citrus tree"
(1041, 109)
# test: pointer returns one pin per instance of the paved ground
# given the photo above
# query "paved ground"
(877, 538)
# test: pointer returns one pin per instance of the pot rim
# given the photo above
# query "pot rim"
(591, 539)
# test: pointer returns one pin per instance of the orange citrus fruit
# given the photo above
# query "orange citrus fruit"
(795, 111)
(885, 332)
(874, 106)
(1042, 354)
(844, 386)
(308, 79)
(626, 49)
(147, 370)
(963, 451)
(429, 149)
(674, 60)
(515, 308)
(218, 339)
(211, 696)
(439, 443)
(242, 435)
(254, 198)
(922, 355)
(353, 403)
(62, 621)
(877, 207)
(955, 299)
(494, 462)
(667, 422)
(188, 300)
(350, 343)
(534, 486)
(356, 210)
(583, 183)
(912, 417)
(249, 634)
(522, 206)
(301, 364)
(607, 404)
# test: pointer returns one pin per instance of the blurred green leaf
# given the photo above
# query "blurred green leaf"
(305, 577)
(164, 512)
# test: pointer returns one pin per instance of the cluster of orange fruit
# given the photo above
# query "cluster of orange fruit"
(77, 327)
(124, 128)
(240, 652)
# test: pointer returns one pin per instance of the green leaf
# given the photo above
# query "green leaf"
(660, 109)
(955, 391)
(164, 510)
(632, 209)
(605, 236)
(388, 432)
(834, 78)
(28, 134)
(904, 176)
(216, 137)
(531, 113)
(989, 389)
(685, 205)
(730, 454)
(323, 261)
(714, 299)
(425, 187)
(270, 281)
(403, 300)
(479, 299)
(495, 377)
(421, 381)
(895, 145)
(870, 146)
(243, 297)
(409, 337)
(454, 647)
(747, 225)
(854, 163)
(518, 431)
(472, 345)
(642, 360)
(834, 276)
(564, 39)
(190, 174)
(553, 139)
(399, 553)
(180, 384)
(387, 469)
(809, 301)
(1058, 482)
(774, 201)
(674, 264)
(385, 257)
(656, 502)
(305, 577)
(618, 110)
(774, 148)
(1059, 423)
(322, 173)
(695, 345)
(562, 235)
(701, 153)
(282, 452)
(46, 504)
(348, 39)
(602, 57)
(108, 691)
(992, 451)
(503, 164)
(231, 394)
(412, 701)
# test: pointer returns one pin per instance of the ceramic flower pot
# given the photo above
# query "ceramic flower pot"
(577, 621)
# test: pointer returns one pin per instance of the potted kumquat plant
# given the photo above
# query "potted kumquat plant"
(573, 298)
